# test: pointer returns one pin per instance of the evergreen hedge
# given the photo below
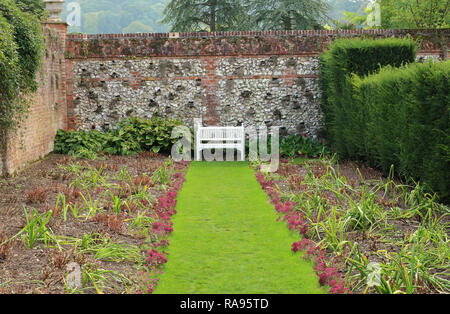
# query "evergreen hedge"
(381, 109)
(344, 59)
(407, 122)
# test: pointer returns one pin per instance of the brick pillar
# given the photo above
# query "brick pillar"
(59, 67)
(209, 83)
(54, 22)
(70, 102)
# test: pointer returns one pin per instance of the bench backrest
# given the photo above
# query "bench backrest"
(220, 133)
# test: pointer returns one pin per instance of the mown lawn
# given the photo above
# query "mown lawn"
(227, 239)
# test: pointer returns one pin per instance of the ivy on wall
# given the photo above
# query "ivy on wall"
(21, 49)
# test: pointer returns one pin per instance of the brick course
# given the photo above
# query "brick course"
(302, 42)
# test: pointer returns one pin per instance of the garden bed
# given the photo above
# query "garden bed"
(366, 233)
(106, 215)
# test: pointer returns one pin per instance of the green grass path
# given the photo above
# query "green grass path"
(227, 239)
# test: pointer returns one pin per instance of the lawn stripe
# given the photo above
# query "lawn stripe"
(227, 239)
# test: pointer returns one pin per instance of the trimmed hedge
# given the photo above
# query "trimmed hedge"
(382, 110)
(407, 122)
(343, 59)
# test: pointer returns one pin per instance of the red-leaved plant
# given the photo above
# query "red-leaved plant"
(162, 211)
(327, 274)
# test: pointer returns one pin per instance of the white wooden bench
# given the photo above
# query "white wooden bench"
(219, 138)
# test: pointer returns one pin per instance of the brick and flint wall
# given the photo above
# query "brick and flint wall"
(226, 78)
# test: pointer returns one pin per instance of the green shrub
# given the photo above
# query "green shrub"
(343, 118)
(407, 122)
(132, 136)
(295, 145)
(72, 142)
(152, 135)
(385, 115)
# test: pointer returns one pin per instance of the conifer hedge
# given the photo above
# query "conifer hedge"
(407, 122)
(382, 108)
(344, 59)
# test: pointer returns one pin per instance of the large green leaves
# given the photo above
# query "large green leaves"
(132, 136)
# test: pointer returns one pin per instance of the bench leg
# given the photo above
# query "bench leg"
(242, 155)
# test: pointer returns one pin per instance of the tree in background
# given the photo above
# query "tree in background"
(288, 14)
(415, 13)
(205, 15)
(339, 7)
(21, 48)
(36, 7)
(406, 14)
(351, 20)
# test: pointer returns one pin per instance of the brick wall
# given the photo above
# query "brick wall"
(304, 42)
(227, 78)
(48, 111)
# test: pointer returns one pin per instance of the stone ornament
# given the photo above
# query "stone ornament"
(55, 7)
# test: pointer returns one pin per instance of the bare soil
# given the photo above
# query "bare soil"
(357, 176)
(42, 269)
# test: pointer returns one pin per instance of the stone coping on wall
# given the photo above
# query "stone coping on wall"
(244, 43)
(262, 33)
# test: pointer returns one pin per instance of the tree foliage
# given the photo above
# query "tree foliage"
(288, 14)
(36, 7)
(21, 46)
(415, 13)
(136, 16)
(215, 15)
(406, 14)
(209, 15)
